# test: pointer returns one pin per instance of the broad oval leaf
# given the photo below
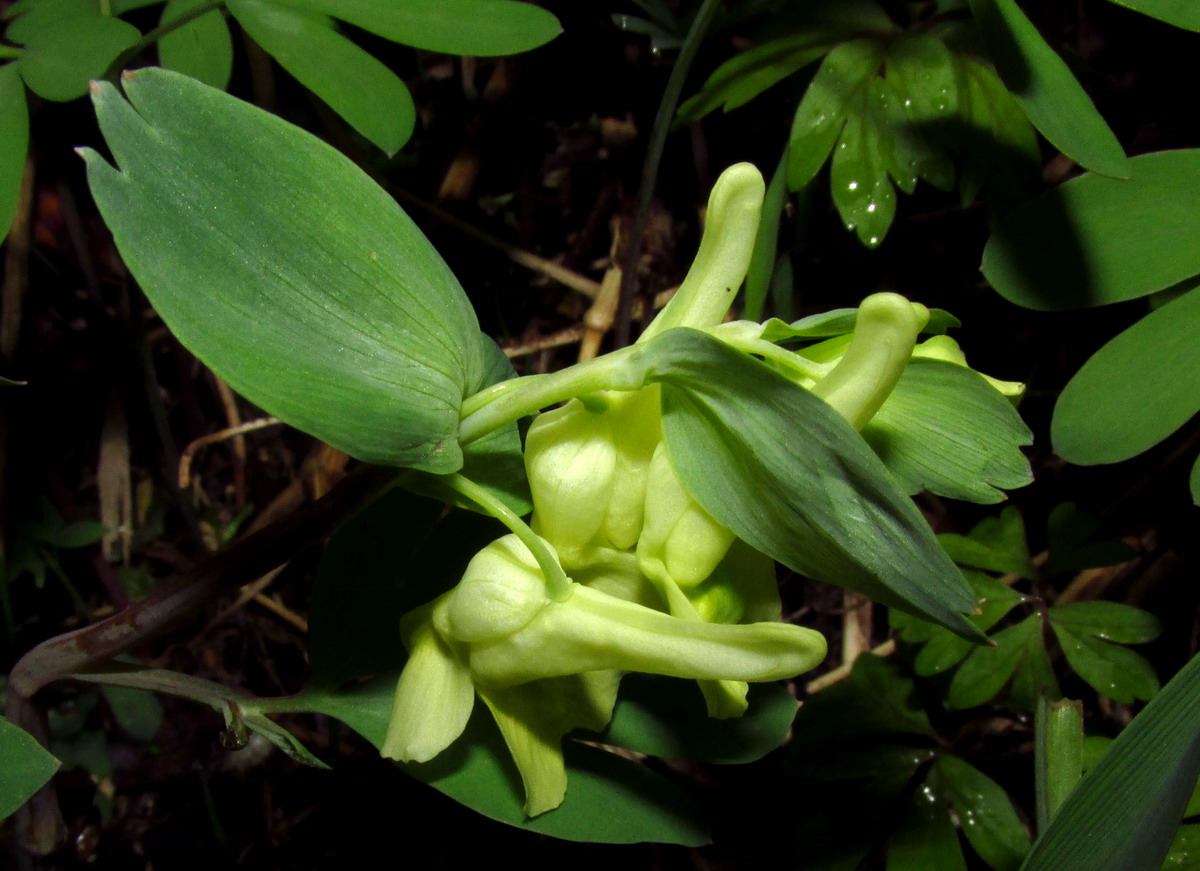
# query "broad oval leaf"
(287, 270)
(62, 57)
(481, 28)
(14, 142)
(362, 90)
(1181, 13)
(1126, 810)
(1048, 92)
(202, 49)
(1135, 391)
(790, 477)
(27, 766)
(1095, 240)
(638, 805)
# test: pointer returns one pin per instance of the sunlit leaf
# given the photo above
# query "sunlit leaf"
(1096, 240)
(358, 87)
(328, 307)
(1047, 90)
(481, 28)
(27, 766)
(1135, 391)
(202, 49)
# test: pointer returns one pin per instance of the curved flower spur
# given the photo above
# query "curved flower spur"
(621, 568)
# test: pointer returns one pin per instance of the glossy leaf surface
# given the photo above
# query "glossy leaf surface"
(822, 112)
(823, 504)
(1096, 240)
(202, 49)
(481, 28)
(327, 306)
(989, 820)
(1108, 621)
(1047, 90)
(27, 766)
(1125, 812)
(946, 430)
(1136, 390)
(14, 142)
(925, 838)
(1113, 671)
(358, 87)
(858, 175)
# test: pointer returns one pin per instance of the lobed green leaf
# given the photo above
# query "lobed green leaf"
(989, 820)
(1116, 672)
(1108, 621)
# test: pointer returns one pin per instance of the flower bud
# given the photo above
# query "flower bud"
(679, 535)
(500, 592)
(945, 348)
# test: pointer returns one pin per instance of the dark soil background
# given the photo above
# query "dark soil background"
(543, 152)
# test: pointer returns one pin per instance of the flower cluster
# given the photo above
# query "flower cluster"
(620, 568)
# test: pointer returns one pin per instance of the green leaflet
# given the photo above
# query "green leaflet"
(985, 672)
(862, 192)
(996, 544)
(1120, 674)
(14, 142)
(482, 28)
(790, 477)
(27, 767)
(925, 838)
(1136, 390)
(1050, 95)
(822, 112)
(1126, 810)
(1095, 240)
(989, 820)
(946, 430)
(1108, 621)
(1181, 13)
(202, 49)
(358, 87)
(747, 75)
(478, 771)
(289, 272)
(1195, 482)
(64, 54)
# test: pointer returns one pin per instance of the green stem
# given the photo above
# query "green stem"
(802, 366)
(509, 401)
(558, 585)
(1058, 755)
(167, 27)
(654, 153)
